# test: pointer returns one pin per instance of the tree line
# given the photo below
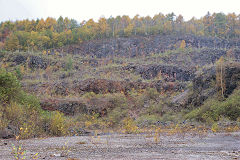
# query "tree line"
(42, 34)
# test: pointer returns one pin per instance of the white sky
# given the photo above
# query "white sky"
(86, 9)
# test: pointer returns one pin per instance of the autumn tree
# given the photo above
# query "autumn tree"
(22, 38)
(67, 23)
(111, 23)
(220, 76)
(35, 33)
(128, 30)
(103, 27)
(41, 25)
(180, 24)
(50, 24)
(12, 43)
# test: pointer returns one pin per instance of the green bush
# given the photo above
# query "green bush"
(24, 112)
(116, 115)
(9, 87)
(146, 120)
(212, 110)
(19, 73)
(69, 64)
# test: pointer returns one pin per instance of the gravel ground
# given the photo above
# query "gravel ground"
(129, 146)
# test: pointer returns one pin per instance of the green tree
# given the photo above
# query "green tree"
(60, 24)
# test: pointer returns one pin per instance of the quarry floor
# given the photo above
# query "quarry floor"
(128, 146)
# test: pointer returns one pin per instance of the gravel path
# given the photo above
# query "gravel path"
(129, 146)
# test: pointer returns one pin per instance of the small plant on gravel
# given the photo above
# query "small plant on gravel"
(130, 126)
(215, 127)
(157, 135)
(95, 139)
(233, 128)
(65, 150)
(35, 156)
(17, 150)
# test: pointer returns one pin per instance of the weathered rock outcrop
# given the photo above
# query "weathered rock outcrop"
(232, 77)
(67, 106)
(168, 73)
(37, 62)
(100, 86)
(70, 106)
(109, 86)
(204, 86)
(142, 45)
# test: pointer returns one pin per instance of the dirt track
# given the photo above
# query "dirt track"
(129, 146)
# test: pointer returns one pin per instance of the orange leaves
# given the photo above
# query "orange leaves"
(183, 44)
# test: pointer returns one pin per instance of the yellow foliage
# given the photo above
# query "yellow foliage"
(4, 65)
(22, 69)
(157, 135)
(183, 44)
(215, 127)
(130, 126)
(57, 124)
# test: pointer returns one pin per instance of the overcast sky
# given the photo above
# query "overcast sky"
(86, 9)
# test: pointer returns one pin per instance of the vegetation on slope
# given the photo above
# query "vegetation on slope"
(21, 113)
(40, 34)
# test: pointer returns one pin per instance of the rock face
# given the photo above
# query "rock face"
(107, 86)
(20, 59)
(67, 106)
(142, 45)
(100, 105)
(74, 106)
(36, 62)
(232, 77)
(165, 72)
(204, 86)
(181, 99)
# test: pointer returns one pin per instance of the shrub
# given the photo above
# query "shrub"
(18, 108)
(152, 93)
(116, 115)
(212, 109)
(155, 108)
(3, 120)
(9, 87)
(129, 126)
(69, 64)
(26, 119)
(19, 73)
(147, 120)
(57, 124)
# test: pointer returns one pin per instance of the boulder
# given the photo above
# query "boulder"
(37, 62)
(8, 132)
